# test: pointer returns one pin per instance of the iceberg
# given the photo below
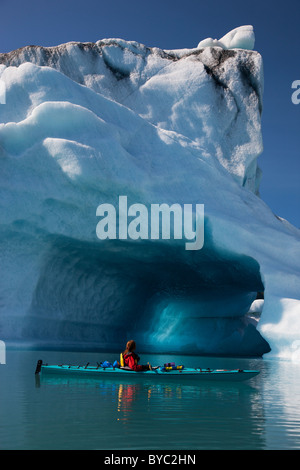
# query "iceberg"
(85, 123)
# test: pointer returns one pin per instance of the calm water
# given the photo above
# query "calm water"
(61, 413)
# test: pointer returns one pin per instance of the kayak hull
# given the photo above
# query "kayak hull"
(235, 375)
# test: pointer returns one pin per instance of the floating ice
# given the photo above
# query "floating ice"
(86, 123)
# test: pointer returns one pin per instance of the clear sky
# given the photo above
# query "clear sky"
(175, 24)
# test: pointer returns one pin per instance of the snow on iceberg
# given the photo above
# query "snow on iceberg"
(86, 123)
(239, 38)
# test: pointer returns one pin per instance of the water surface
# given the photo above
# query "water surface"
(85, 413)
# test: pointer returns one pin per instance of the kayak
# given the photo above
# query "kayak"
(236, 375)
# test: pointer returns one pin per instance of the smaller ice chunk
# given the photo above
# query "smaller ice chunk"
(239, 38)
(257, 306)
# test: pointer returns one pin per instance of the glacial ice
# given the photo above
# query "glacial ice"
(85, 123)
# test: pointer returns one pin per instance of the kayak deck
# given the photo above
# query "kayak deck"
(236, 375)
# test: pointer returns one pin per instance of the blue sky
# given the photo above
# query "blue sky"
(183, 23)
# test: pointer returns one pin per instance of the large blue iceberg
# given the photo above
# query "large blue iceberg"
(83, 124)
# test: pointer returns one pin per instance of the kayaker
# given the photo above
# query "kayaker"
(130, 359)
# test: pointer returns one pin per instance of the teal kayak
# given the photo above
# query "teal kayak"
(236, 375)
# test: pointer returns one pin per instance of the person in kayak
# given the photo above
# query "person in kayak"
(130, 359)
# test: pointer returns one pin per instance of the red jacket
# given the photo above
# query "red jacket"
(131, 360)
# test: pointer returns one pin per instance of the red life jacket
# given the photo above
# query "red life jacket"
(131, 360)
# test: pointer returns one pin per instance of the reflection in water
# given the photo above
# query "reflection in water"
(213, 414)
(126, 396)
(128, 393)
